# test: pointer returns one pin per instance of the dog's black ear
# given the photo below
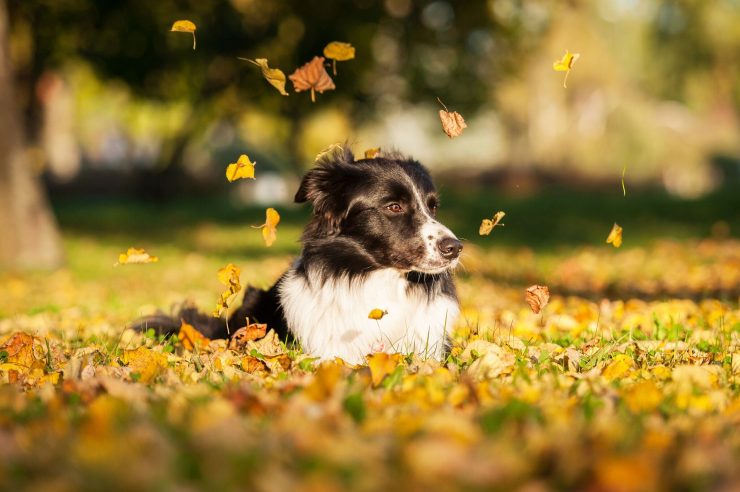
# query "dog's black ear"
(326, 187)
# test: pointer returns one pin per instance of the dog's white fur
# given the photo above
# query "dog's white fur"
(331, 318)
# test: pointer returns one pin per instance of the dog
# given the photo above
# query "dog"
(372, 244)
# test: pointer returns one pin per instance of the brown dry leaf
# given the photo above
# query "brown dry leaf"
(274, 76)
(452, 122)
(381, 364)
(377, 314)
(488, 224)
(20, 353)
(339, 51)
(252, 364)
(615, 236)
(229, 276)
(537, 297)
(190, 337)
(372, 153)
(312, 76)
(184, 26)
(145, 362)
(135, 256)
(247, 333)
(243, 168)
(269, 228)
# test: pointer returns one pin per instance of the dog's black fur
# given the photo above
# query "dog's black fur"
(355, 229)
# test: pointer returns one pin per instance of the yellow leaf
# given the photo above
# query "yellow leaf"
(377, 314)
(330, 149)
(488, 224)
(147, 363)
(381, 364)
(274, 76)
(240, 169)
(537, 296)
(615, 236)
(20, 352)
(184, 26)
(190, 337)
(372, 153)
(324, 381)
(135, 256)
(643, 397)
(617, 368)
(229, 276)
(565, 64)
(452, 122)
(269, 228)
(339, 51)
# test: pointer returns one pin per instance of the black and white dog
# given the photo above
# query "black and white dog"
(373, 243)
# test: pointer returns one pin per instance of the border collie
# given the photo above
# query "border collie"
(373, 243)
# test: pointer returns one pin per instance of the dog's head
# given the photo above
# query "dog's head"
(386, 205)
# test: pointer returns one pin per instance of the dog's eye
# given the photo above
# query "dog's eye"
(395, 208)
(433, 208)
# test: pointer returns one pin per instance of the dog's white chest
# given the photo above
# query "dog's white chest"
(330, 319)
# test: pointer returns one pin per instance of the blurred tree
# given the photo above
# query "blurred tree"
(28, 233)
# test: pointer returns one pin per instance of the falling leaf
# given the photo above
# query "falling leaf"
(330, 149)
(565, 64)
(624, 190)
(452, 123)
(377, 314)
(488, 224)
(339, 51)
(135, 256)
(240, 169)
(229, 276)
(615, 236)
(190, 337)
(247, 333)
(274, 76)
(184, 26)
(537, 297)
(381, 364)
(312, 76)
(372, 153)
(269, 228)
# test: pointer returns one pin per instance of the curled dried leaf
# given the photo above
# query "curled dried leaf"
(246, 334)
(453, 123)
(184, 26)
(537, 296)
(312, 76)
(241, 169)
(488, 224)
(274, 76)
(190, 337)
(229, 276)
(565, 64)
(615, 236)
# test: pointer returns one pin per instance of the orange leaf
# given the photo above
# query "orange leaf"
(312, 76)
(452, 122)
(372, 153)
(191, 337)
(246, 334)
(537, 297)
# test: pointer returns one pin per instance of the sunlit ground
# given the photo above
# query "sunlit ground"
(628, 380)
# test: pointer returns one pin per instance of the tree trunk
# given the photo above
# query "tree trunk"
(29, 237)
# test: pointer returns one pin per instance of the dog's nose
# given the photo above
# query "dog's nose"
(449, 247)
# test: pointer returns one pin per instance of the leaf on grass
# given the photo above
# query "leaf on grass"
(247, 333)
(339, 51)
(381, 364)
(135, 256)
(372, 153)
(190, 337)
(644, 396)
(565, 64)
(184, 26)
(488, 224)
(269, 228)
(145, 362)
(229, 276)
(377, 314)
(240, 169)
(537, 296)
(274, 76)
(618, 367)
(452, 122)
(252, 364)
(312, 76)
(20, 355)
(325, 380)
(615, 236)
